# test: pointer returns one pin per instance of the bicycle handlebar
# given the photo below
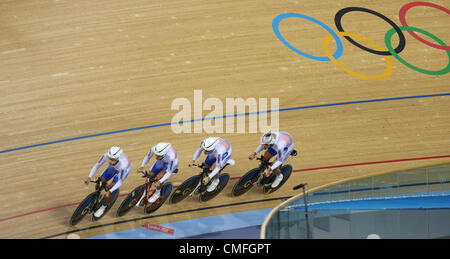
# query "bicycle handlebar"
(197, 165)
(258, 158)
(261, 158)
(96, 180)
(151, 178)
(102, 184)
(204, 170)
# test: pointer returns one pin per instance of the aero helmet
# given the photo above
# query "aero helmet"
(209, 144)
(114, 153)
(161, 149)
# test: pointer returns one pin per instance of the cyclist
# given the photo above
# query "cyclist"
(166, 163)
(217, 152)
(275, 143)
(119, 166)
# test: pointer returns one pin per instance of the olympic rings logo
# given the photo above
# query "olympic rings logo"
(375, 49)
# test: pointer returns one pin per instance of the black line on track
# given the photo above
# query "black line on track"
(166, 214)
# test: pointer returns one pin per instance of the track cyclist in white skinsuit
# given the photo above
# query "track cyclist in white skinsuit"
(119, 166)
(275, 143)
(218, 151)
(166, 163)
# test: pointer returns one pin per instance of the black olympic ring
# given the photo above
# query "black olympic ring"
(401, 44)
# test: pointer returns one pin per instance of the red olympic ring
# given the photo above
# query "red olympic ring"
(402, 17)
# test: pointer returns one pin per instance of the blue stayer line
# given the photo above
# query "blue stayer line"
(225, 116)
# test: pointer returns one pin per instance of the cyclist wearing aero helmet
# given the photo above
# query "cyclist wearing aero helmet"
(218, 151)
(166, 163)
(119, 166)
(275, 143)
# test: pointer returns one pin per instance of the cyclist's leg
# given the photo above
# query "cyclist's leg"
(226, 156)
(109, 173)
(113, 186)
(115, 183)
(270, 152)
(210, 161)
(159, 169)
(160, 175)
(277, 171)
(164, 174)
(288, 151)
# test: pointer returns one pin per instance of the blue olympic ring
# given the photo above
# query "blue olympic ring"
(279, 18)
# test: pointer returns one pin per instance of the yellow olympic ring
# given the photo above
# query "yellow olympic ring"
(325, 45)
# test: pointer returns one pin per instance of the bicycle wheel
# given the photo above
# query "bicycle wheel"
(184, 189)
(82, 209)
(245, 183)
(286, 171)
(206, 196)
(130, 201)
(167, 189)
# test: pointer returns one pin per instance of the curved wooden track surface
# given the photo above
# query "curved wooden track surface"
(70, 70)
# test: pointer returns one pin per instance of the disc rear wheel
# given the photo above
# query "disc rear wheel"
(245, 183)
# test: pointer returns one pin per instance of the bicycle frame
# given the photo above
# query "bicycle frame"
(204, 172)
(147, 193)
(89, 204)
(201, 186)
(94, 205)
(98, 195)
(262, 166)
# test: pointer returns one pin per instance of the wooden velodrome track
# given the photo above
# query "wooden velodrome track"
(72, 69)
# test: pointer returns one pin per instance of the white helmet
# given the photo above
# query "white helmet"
(268, 138)
(114, 153)
(161, 149)
(209, 144)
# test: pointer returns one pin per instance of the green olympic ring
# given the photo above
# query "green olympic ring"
(387, 40)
